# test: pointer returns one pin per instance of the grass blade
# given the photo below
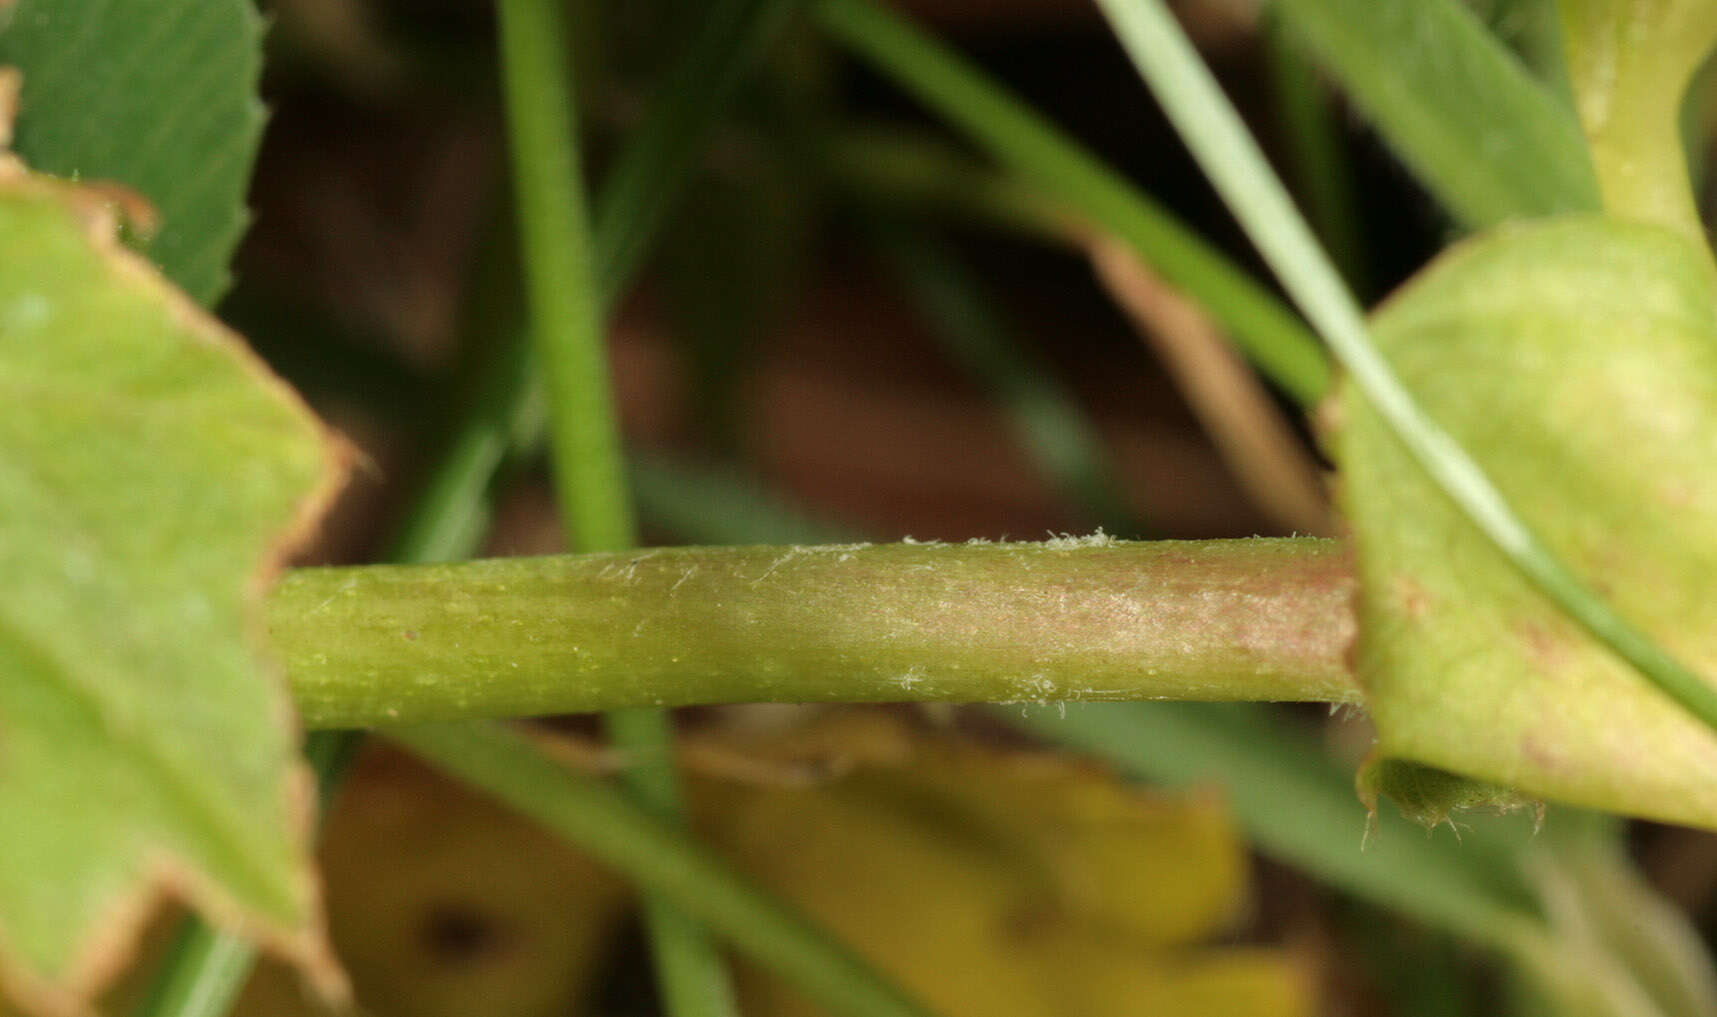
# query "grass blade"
(566, 321)
(1488, 140)
(1268, 333)
(1220, 142)
(565, 310)
(700, 504)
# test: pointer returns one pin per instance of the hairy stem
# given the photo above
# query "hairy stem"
(1066, 620)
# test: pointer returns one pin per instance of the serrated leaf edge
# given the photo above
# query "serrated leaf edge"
(111, 944)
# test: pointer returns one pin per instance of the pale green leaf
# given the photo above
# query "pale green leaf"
(157, 95)
(150, 474)
(1576, 361)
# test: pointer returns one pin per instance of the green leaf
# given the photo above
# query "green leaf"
(151, 474)
(157, 95)
(1212, 129)
(1465, 115)
(1576, 361)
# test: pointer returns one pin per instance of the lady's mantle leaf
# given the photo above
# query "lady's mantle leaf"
(1577, 361)
(150, 472)
(157, 95)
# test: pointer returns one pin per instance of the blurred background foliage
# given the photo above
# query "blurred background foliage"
(848, 327)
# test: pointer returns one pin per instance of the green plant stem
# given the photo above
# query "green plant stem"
(1219, 140)
(566, 315)
(1629, 65)
(1267, 332)
(1214, 620)
(615, 831)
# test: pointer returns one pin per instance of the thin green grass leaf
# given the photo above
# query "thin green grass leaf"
(205, 972)
(157, 95)
(1267, 332)
(652, 170)
(564, 307)
(1488, 141)
(566, 321)
(1220, 142)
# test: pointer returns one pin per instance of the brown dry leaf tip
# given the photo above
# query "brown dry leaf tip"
(131, 207)
(112, 947)
(100, 201)
(11, 84)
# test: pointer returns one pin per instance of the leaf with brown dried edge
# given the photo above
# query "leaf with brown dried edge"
(152, 473)
(1576, 360)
